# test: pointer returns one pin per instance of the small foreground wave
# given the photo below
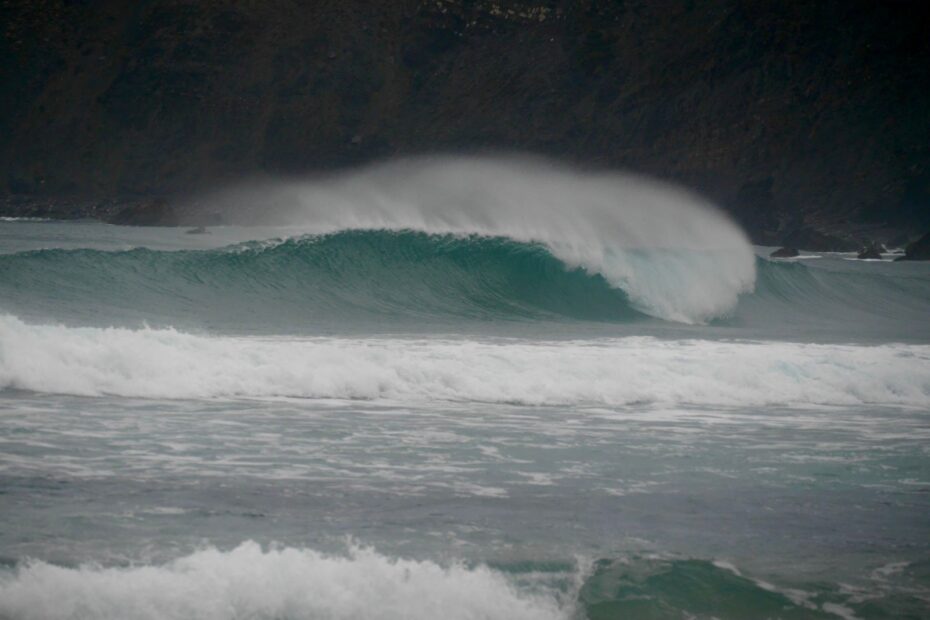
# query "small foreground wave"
(280, 584)
(164, 363)
(285, 583)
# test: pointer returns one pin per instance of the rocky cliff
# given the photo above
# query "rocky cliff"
(793, 115)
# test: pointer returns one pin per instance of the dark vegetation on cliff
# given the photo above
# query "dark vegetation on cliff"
(809, 121)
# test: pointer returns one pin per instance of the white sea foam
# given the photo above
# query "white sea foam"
(287, 583)
(156, 363)
(676, 256)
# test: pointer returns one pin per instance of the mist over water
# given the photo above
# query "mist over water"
(674, 254)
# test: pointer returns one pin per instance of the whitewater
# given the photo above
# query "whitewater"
(464, 388)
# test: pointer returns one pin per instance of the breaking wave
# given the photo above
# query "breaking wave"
(286, 583)
(379, 277)
(674, 255)
(157, 363)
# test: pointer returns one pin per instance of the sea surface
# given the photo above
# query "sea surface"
(396, 419)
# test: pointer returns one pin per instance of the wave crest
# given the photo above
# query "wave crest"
(607, 223)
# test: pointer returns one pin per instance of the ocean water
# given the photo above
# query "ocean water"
(424, 391)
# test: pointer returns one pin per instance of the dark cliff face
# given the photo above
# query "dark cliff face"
(787, 113)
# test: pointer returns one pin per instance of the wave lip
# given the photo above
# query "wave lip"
(154, 363)
(248, 582)
(674, 255)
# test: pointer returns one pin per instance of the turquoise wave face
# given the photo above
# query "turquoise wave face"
(846, 299)
(661, 589)
(404, 278)
(303, 281)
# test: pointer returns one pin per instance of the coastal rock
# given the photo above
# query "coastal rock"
(785, 253)
(872, 251)
(919, 250)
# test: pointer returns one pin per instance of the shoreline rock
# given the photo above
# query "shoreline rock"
(918, 250)
(872, 251)
(785, 252)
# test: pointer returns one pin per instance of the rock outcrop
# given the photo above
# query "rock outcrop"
(872, 251)
(785, 253)
(918, 250)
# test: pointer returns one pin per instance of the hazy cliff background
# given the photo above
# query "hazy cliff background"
(795, 116)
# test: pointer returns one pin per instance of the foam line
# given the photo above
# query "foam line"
(249, 582)
(156, 363)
